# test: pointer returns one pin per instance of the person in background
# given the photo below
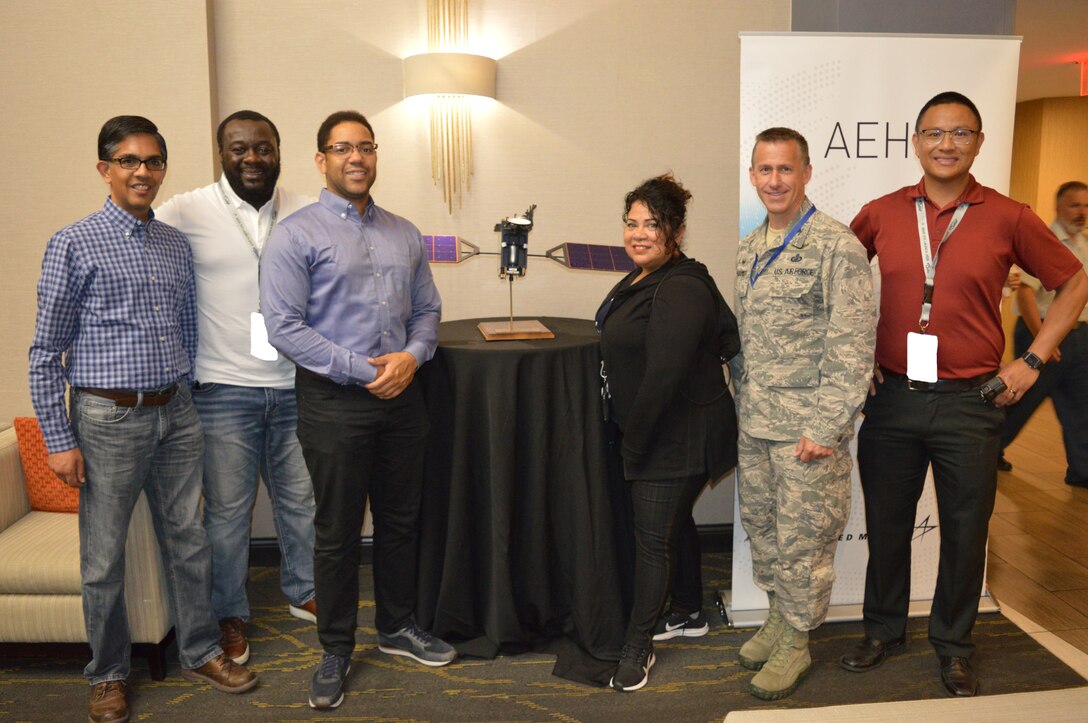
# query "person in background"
(1064, 378)
(348, 296)
(807, 323)
(665, 332)
(117, 323)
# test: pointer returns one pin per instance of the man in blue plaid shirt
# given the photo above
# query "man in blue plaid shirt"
(117, 323)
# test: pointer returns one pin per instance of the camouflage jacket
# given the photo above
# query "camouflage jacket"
(807, 328)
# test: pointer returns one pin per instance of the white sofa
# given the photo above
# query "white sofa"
(40, 599)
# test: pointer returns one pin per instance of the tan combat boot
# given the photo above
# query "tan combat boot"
(755, 652)
(785, 669)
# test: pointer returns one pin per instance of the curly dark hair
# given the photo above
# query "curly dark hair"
(667, 201)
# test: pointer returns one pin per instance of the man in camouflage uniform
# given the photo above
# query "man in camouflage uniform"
(807, 326)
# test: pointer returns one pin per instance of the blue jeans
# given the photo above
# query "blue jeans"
(249, 430)
(156, 450)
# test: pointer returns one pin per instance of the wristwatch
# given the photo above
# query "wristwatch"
(1033, 360)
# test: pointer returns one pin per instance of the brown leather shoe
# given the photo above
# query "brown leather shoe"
(108, 703)
(223, 674)
(232, 639)
(306, 611)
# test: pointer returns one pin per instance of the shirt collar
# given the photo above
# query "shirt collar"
(798, 240)
(341, 206)
(122, 219)
(972, 194)
(1064, 235)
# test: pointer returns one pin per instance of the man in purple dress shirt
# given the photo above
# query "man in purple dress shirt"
(117, 323)
(348, 296)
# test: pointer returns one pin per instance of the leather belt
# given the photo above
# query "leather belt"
(128, 398)
(941, 386)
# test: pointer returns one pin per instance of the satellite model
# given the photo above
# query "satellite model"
(514, 256)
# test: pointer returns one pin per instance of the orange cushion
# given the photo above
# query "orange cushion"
(46, 491)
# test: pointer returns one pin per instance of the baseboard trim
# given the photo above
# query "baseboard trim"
(265, 551)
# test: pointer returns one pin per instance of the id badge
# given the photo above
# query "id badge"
(921, 357)
(258, 339)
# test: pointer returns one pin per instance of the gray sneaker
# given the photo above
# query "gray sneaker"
(416, 643)
(327, 685)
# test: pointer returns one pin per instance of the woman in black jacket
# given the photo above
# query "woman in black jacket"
(665, 332)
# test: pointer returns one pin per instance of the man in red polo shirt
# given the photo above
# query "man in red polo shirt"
(945, 247)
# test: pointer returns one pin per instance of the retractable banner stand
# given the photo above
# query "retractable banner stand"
(855, 99)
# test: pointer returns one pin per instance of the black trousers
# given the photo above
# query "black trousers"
(358, 446)
(686, 568)
(904, 431)
(1066, 383)
(662, 509)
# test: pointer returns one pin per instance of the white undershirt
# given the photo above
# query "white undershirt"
(226, 281)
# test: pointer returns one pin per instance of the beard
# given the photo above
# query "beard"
(255, 196)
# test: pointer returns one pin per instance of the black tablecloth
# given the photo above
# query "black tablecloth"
(525, 537)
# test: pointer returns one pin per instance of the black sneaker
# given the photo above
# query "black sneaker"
(675, 624)
(327, 685)
(634, 668)
(1003, 464)
(416, 643)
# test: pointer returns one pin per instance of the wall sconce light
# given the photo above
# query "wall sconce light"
(449, 78)
(1083, 77)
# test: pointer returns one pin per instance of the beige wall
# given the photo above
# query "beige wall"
(1047, 150)
(1046, 153)
(593, 97)
(65, 67)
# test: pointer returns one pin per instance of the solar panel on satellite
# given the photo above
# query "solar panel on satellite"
(442, 249)
(597, 257)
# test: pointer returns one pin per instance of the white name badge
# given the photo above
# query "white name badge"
(921, 357)
(258, 339)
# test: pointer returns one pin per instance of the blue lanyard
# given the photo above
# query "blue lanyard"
(778, 251)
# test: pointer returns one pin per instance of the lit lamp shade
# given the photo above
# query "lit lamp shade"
(449, 74)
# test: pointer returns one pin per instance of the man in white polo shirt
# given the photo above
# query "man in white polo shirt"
(244, 391)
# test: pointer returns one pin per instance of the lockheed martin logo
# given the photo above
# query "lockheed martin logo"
(924, 528)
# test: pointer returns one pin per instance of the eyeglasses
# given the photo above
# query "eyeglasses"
(131, 163)
(365, 148)
(960, 136)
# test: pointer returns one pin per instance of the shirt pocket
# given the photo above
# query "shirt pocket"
(792, 291)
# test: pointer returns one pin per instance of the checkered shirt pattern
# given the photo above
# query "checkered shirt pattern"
(116, 310)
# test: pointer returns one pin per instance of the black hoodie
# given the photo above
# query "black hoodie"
(663, 341)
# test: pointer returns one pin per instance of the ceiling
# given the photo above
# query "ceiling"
(1055, 36)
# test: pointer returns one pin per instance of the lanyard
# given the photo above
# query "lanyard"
(929, 259)
(754, 275)
(245, 233)
(241, 226)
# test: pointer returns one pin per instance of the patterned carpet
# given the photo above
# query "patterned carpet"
(694, 680)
